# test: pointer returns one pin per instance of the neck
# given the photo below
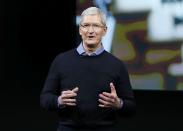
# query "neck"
(91, 48)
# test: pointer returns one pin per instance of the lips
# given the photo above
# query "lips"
(90, 37)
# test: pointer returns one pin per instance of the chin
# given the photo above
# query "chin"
(91, 44)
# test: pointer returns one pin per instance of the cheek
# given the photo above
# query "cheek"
(103, 33)
(82, 34)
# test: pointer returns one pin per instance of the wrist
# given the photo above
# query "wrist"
(120, 103)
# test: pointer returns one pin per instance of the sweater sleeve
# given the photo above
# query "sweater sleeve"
(125, 92)
(50, 92)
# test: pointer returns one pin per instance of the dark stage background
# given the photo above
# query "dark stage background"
(33, 33)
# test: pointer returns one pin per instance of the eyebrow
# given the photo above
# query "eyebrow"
(92, 23)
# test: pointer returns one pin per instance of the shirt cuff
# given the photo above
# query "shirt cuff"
(121, 103)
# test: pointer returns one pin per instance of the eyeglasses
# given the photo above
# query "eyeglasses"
(95, 27)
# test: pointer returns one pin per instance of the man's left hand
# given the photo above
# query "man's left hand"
(110, 100)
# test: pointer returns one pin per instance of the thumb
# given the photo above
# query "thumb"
(75, 89)
(113, 90)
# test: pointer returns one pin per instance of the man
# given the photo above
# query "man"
(88, 86)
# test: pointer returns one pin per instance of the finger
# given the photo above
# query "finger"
(113, 90)
(64, 96)
(100, 105)
(106, 98)
(70, 91)
(105, 103)
(69, 100)
(75, 89)
(70, 104)
(112, 85)
(108, 95)
(66, 92)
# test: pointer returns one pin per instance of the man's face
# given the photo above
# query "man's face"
(92, 30)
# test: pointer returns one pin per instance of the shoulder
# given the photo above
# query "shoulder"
(115, 62)
(63, 56)
(113, 58)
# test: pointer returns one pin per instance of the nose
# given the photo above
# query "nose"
(90, 29)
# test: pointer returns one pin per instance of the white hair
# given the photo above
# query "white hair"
(94, 11)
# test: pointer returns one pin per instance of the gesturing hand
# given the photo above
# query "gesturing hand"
(67, 97)
(110, 99)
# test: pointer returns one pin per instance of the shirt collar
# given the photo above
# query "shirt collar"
(81, 51)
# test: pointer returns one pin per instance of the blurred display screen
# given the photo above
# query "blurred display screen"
(147, 35)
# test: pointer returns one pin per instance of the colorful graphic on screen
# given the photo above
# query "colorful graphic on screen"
(148, 36)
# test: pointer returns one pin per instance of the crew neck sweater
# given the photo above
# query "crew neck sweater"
(92, 75)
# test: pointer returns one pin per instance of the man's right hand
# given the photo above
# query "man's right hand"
(67, 98)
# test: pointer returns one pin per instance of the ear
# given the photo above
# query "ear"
(80, 30)
(104, 31)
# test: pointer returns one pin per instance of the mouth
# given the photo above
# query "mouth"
(91, 37)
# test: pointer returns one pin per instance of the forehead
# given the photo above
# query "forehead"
(92, 19)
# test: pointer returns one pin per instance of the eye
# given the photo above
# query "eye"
(97, 26)
(86, 25)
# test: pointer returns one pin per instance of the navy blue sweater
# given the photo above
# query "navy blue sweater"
(92, 74)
